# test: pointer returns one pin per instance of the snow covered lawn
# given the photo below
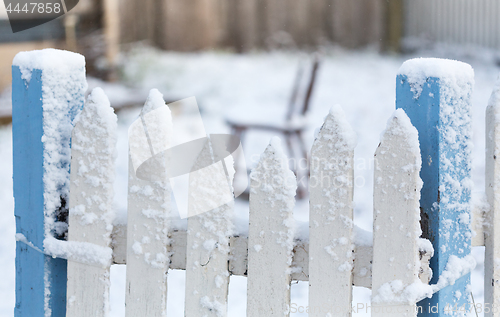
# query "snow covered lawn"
(259, 84)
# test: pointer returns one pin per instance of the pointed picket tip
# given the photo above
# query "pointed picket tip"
(400, 127)
(97, 112)
(155, 100)
(273, 168)
(273, 153)
(336, 127)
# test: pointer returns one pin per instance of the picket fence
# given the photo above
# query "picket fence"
(271, 257)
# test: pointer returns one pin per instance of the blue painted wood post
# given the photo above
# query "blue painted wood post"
(436, 95)
(47, 92)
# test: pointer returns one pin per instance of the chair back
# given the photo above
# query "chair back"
(303, 87)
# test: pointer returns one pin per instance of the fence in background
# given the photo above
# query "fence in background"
(249, 24)
(332, 258)
(472, 22)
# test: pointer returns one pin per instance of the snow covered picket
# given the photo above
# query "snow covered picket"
(271, 233)
(333, 255)
(396, 211)
(149, 210)
(91, 213)
(330, 216)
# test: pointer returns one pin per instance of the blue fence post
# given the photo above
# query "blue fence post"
(47, 92)
(436, 95)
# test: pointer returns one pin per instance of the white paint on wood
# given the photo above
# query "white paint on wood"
(207, 252)
(270, 236)
(149, 209)
(331, 218)
(396, 228)
(91, 204)
(492, 186)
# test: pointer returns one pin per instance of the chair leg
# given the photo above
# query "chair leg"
(297, 153)
(304, 171)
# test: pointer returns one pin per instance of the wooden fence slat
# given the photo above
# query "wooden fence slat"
(270, 235)
(492, 230)
(331, 218)
(436, 95)
(42, 115)
(207, 258)
(396, 218)
(91, 203)
(149, 210)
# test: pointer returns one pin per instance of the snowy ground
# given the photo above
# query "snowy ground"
(259, 84)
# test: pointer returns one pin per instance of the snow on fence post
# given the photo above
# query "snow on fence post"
(48, 90)
(91, 207)
(330, 217)
(396, 216)
(270, 234)
(436, 95)
(149, 210)
(492, 230)
(207, 251)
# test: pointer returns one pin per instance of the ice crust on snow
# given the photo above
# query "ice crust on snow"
(453, 74)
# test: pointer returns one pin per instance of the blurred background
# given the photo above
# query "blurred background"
(103, 29)
(244, 61)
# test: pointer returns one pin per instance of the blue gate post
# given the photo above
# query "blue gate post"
(436, 95)
(47, 92)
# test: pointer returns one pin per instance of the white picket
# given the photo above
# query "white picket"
(149, 209)
(270, 235)
(396, 227)
(91, 206)
(330, 218)
(492, 229)
(207, 258)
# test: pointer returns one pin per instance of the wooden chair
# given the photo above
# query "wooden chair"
(294, 124)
